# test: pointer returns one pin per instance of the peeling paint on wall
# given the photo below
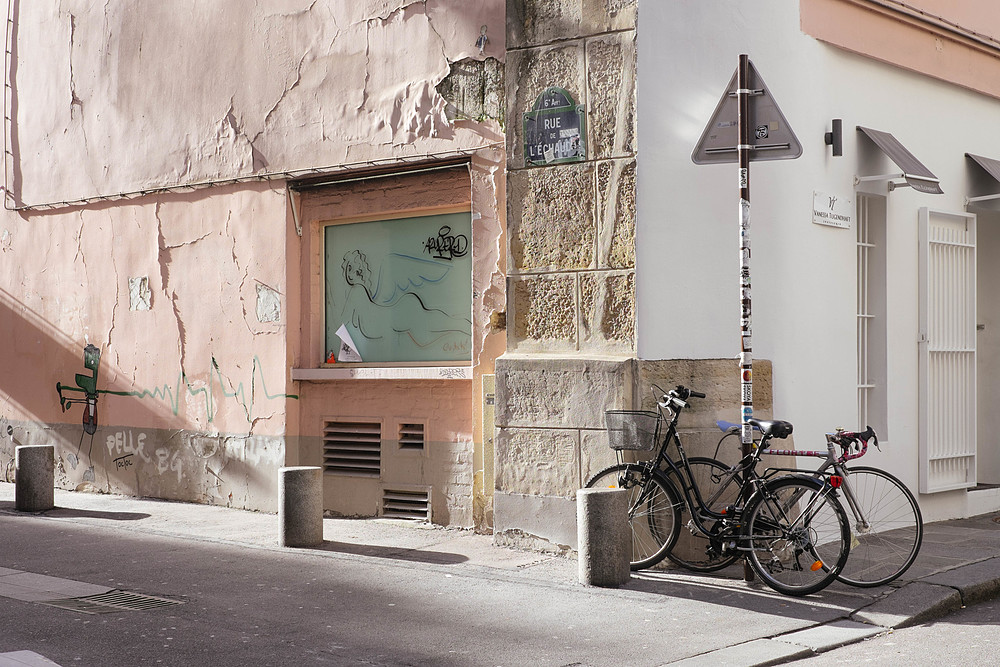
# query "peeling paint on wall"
(139, 296)
(474, 90)
(226, 90)
(268, 304)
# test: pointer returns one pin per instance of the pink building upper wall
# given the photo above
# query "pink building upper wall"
(130, 97)
(953, 40)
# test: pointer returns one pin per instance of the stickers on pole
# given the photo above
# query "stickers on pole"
(771, 138)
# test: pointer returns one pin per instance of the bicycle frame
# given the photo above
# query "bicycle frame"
(665, 464)
(831, 460)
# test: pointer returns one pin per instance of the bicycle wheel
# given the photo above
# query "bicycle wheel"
(694, 550)
(885, 547)
(653, 514)
(797, 533)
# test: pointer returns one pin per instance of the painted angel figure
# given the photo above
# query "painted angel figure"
(382, 308)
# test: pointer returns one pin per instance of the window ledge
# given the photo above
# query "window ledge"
(383, 373)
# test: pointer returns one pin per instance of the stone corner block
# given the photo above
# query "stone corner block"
(529, 73)
(561, 392)
(551, 214)
(537, 461)
(539, 523)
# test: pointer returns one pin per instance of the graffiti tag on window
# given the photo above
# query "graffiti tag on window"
(447, 245)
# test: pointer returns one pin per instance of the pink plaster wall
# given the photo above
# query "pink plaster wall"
(117, 97)
(956, 41)
(196, 400)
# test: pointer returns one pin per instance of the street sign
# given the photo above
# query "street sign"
(555, 129)
(771, 138)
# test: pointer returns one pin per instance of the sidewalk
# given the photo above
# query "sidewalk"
(959, 565)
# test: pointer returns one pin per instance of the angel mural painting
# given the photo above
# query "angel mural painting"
(386, 304)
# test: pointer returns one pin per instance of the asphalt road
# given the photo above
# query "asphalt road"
(256, 606)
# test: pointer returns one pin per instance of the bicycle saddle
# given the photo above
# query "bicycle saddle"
(773, 429)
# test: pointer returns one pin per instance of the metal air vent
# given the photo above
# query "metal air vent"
(352, 448)
(411, 437)
(399, 504)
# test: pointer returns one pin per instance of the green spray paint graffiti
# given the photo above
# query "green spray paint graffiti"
(87, 385)
(172, 394)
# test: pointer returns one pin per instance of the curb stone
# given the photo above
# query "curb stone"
(976, 582)
(914, 603)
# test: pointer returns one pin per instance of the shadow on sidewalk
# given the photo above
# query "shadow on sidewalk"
(69, 513)
(394, 553)
(728, 589)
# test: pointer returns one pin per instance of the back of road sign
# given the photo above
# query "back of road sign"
(771, 138)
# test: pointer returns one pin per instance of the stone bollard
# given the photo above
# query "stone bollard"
(603, 537)
(34, 469)
(300, 506)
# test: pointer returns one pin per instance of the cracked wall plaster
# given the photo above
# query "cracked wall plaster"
(119, 98)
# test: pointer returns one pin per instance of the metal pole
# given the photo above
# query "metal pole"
(746, 342)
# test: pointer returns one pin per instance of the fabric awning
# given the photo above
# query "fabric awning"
(992, 167)
(916, 175)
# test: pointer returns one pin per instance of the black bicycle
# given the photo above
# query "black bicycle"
(792, 529)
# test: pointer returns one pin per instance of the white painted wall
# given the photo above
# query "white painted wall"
(803, 275)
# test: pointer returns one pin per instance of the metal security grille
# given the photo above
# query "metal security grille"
(113, 601)
(866, 384)
(352, 448)
(402, 504)
(873, 395)
(411, 437)
(947, 351)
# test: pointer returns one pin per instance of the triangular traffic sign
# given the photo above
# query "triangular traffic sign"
(771, 136)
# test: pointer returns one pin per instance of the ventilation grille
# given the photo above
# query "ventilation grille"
(406, 504)
(353, 448)
(411, 437)
(113, 601)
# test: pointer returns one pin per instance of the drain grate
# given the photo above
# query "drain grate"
(112, 601)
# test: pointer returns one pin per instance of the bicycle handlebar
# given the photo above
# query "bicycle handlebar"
(848, 439)
(677, 398)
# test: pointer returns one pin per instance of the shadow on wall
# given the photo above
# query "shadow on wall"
(239, 470)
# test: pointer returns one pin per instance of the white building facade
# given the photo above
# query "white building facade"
(887, 316)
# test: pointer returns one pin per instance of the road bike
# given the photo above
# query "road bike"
(887, 529)
(792, 528)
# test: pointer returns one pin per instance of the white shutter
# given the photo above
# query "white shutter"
(947, 351)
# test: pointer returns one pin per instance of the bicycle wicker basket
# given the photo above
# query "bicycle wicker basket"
(632, 429)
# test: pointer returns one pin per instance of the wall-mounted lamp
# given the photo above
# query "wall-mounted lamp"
(835, 138)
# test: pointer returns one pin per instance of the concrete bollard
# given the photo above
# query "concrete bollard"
(603, 537)
(300, 506)
(35, 472)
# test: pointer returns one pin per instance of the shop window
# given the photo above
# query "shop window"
(399, 289)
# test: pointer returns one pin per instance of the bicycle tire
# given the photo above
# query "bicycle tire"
(797, 534)
(693, 549)
(887, 547)
(653, 514)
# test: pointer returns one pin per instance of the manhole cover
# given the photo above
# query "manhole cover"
(107, 603)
